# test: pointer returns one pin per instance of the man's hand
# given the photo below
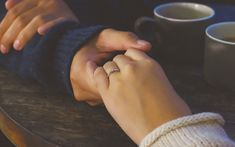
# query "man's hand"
(26, 17)
(97, 50)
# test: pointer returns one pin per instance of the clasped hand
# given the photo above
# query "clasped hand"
(139, 97)
(27, 17)
(142, 92)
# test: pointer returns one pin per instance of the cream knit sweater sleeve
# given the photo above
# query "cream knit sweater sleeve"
(199, 130)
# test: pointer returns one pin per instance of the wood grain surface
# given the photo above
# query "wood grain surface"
(31, 116)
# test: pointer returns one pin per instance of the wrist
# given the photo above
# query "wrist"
(162, 114)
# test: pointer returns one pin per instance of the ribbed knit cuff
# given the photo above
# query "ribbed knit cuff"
(200, 130)
(58, 48)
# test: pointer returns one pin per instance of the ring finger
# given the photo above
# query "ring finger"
(111, 68)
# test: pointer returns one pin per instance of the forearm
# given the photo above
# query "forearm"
(48, 59)
(204, 130)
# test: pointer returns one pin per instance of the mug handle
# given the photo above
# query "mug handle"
(149, 29)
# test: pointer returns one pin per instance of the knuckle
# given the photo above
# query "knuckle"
(116, 58)
(40, 19)
(98, 72)
(107, 64)
(21, 21)
(129, 68)
(12, 13)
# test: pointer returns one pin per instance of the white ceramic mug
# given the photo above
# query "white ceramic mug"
(219, 65)
(180, 27)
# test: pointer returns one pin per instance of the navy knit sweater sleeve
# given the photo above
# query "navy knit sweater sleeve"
(47, 59)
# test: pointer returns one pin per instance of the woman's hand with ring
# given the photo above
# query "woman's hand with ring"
(97, 51)
(139, 95)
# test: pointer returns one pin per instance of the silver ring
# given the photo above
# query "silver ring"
(113, 71)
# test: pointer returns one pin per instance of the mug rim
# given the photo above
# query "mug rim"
(183, 20)
(215, 38)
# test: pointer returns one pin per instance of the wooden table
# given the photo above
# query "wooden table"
(32, 117)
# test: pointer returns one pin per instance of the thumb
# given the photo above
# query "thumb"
(113, 40)
(98, 76)
(11, 3)
(102, 81)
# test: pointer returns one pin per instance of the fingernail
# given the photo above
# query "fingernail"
(142, 43)
(16, 45)
(3, 49)
(7, 4)
(41, 31)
